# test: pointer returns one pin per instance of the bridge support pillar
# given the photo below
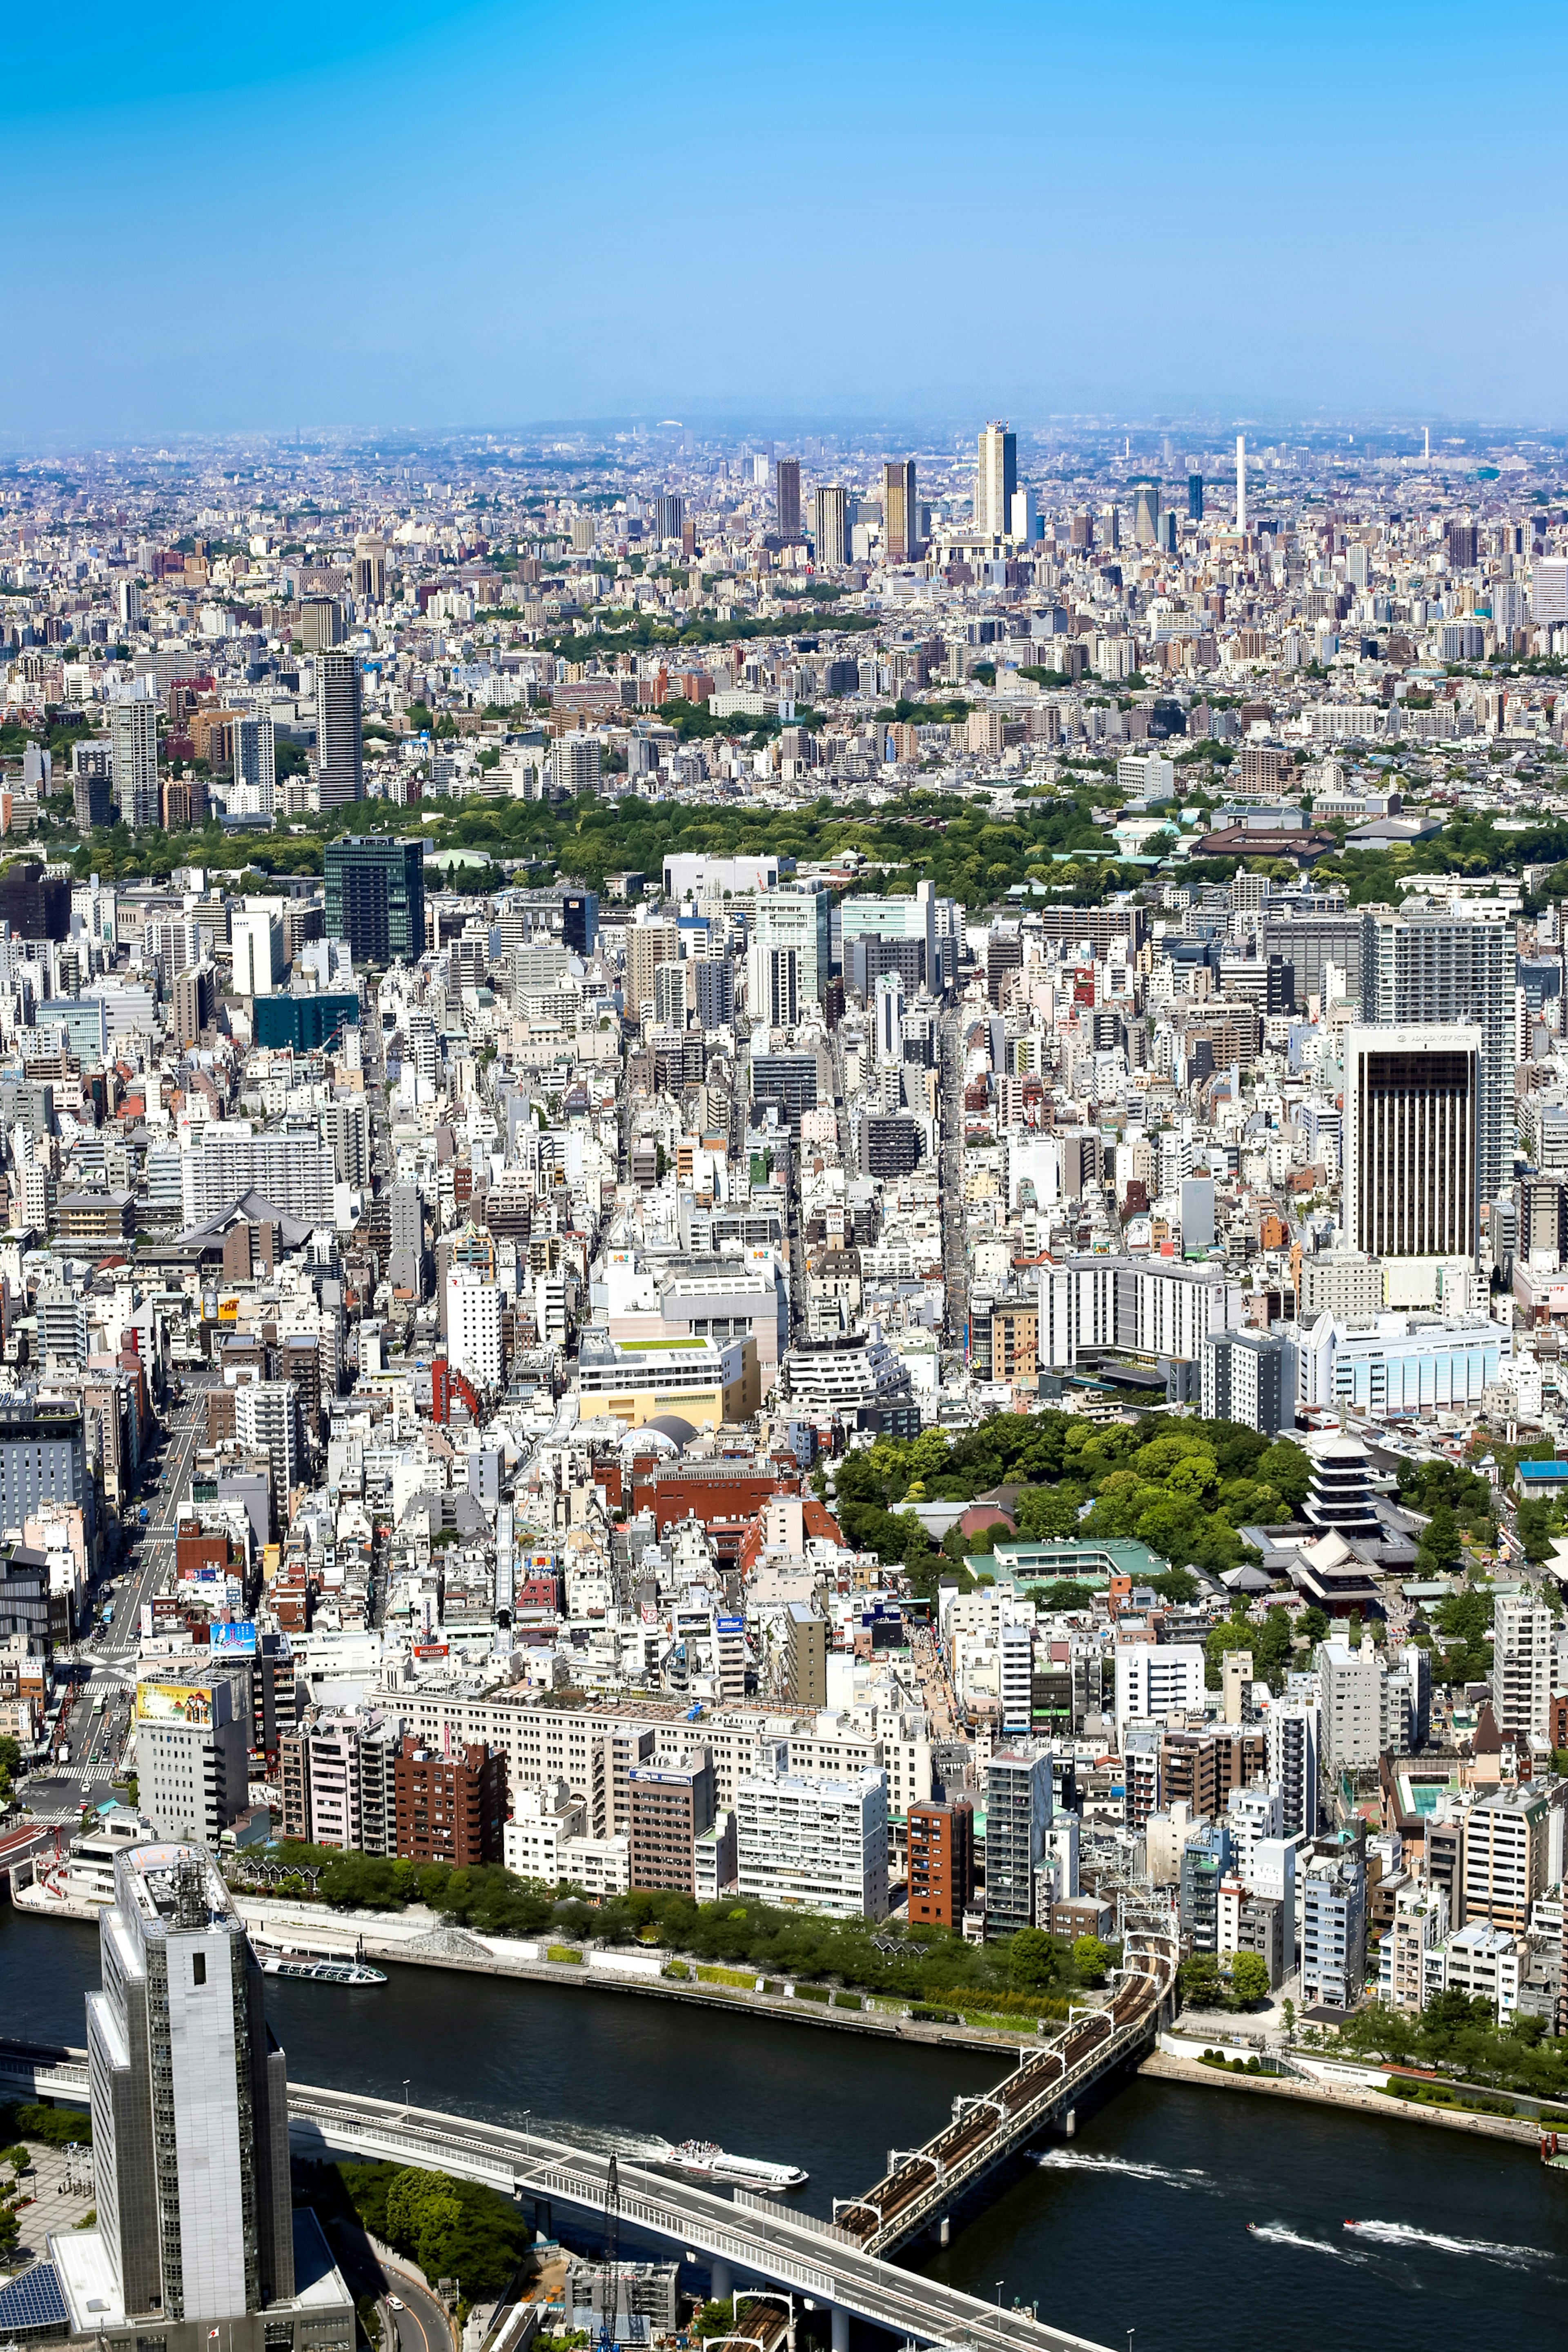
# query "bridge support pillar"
(723, 2280)
(840, 2328)
(1069, 2123)
(944, 2230)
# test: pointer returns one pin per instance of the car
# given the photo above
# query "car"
(395, 2303)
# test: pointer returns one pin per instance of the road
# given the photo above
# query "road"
(104, 1662)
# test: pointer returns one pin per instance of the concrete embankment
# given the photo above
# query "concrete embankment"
(419, 1938)
(1164, 2066)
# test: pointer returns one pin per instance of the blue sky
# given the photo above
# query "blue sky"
(487, 211)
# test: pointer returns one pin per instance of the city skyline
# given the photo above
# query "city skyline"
(470, 216)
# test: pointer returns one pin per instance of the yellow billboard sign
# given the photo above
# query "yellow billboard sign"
(173, 1703)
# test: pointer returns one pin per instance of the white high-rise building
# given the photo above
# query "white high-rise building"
(473, 1327)
(889, 1015)
(258, 940)
(267, 1417)
(1353, 1704)
(1445, 970)
(1523, 1637)
(193, 1754)
(1412, 1127)
(195, 2237)
(1157, 1679)
(815, 1844)
(254, 763)
(1241, 481)
(133, 741)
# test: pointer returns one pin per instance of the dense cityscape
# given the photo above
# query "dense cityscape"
(787, 1233)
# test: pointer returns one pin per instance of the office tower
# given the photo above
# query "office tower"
(890, 1020)
(1241, 481)
(1523, 1650)
(795, 916)
(672, 1805)
(669, 516)
(585, 534)
(830, 528)
(340, 749)
(1018, 1800)
(375, 898)
(321, 624)
(190, 2121)
(193, 1761)
(129, 601)
(1334, 1929)
(900, 511)
(255, 760)
(1146, 514)
(1411, 1100)
(133, 736)
(579, 921)
(996, 480)
(1195, 497)
(370, 570)
(1439, 968)
(786, 497)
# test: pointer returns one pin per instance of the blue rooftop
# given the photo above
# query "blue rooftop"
(31, 2302)
(1544, 1473)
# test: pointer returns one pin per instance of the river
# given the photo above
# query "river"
(1140, 2223)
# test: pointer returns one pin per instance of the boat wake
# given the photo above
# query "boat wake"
(1275, 2233)
(641, 2148)
(1063, 2159)
(1402, 2233)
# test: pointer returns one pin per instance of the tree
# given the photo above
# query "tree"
(1287, 2011)
(1031, 1960)
(1248, 1979)
(1439, 1550)
(1312, 1624)
(1287, 1470)
(1198, 1978)
(1091, 1959)
(1538, 1529)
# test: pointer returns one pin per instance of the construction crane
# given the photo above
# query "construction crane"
(606, 2340)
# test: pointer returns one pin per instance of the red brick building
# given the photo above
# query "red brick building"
(942, 1862)
(450, 1808)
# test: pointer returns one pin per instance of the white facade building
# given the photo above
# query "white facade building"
(1155, 1679)
(473, 1327)
(818, 1845)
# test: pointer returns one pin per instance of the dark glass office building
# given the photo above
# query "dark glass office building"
(375, 898)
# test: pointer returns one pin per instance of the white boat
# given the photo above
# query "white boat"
(323, 1964)
(706, 2159)
(345, 1971)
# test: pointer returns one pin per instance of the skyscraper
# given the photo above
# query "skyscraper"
(786, 497)
(830, 526)
(1241, 481)
(900, 522)
(340, 749)
(133, 734)
(1432, 969)
(669, 516)
(376, 896)
(996, 480)
(1195, 497)
(195, 2232)
(1412, 1110)
(255, 760)
(1146, 514)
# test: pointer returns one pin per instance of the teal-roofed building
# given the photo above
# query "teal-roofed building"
(305, 1022)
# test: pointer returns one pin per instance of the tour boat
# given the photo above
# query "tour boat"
(704, 2157)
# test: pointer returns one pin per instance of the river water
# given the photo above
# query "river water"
(1140, 2223)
